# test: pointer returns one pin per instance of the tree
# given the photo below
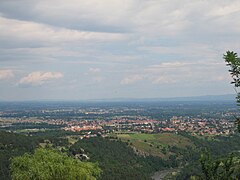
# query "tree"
(46, 164)
(233, 61)
(226, 167)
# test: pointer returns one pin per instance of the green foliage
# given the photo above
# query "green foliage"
(156, 144)
(218, 146)
(221, 168)
(117, 160)
(46, 164)
(209, 168)
(12, 145)
(233, 61)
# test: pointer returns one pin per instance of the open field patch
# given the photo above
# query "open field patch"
(155, 144)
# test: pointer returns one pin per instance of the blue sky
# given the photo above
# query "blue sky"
(76, 49)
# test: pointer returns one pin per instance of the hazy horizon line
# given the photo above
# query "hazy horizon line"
(228, 97)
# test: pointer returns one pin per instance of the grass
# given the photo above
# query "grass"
(72, 139)
(154, 144)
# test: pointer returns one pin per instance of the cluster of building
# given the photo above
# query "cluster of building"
(142, 124)
(175, 124)
(200, 125)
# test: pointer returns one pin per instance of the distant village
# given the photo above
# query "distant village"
(102, 121)
(195, 126)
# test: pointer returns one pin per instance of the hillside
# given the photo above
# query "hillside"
(135, 156)
(155, 144)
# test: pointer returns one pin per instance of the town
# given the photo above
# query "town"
(101, 119)
(130, 124)
(175, 124)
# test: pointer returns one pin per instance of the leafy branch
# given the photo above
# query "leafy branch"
(233, 61)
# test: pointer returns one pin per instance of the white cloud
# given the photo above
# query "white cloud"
(187, 72)
(39, 78)
(179, 72)
(26, 31)
(131, 79)
(224, 10)
(105, 12)
(185, 49)
(94, 75)
(6, 74)
(163, 80)
(94, 70)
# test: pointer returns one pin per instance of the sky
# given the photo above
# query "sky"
(78, 49)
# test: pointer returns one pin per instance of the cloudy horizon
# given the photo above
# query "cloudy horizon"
(78, 50)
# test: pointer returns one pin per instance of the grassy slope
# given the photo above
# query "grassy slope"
(155, 144)
(117, 160)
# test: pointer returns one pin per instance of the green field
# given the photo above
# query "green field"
(154, 144)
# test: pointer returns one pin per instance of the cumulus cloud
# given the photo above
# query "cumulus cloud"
(179, 72)
(197, 50)
(186, 72)
(94, 70)
(6, 74)
(95, 75)
(228, 9)
(39, 78)
(163, 80)
(131, 79)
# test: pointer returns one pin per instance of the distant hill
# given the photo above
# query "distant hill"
(213, 98)
(226, 97)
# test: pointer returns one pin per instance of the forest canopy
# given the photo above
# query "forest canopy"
(46, 164)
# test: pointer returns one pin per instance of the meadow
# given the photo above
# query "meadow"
(154, 144)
